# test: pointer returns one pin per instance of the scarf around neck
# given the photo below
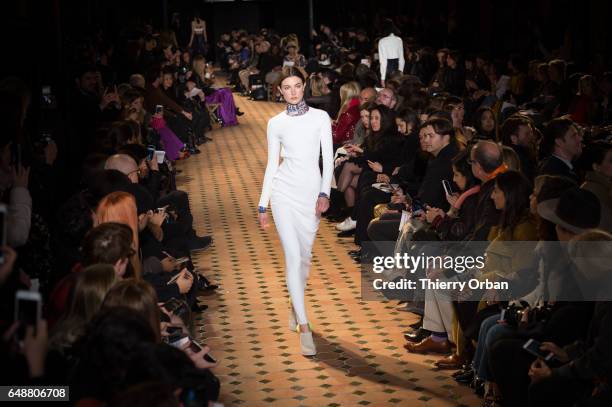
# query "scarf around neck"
(298, 109)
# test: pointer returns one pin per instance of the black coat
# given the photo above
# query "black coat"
(554, 166)
(439, 168)
(527, 159)
(592, 360)
(487, 215)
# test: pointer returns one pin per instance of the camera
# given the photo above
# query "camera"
(513, 313)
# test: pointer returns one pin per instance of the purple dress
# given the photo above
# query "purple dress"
(227, 108)
(171, 144)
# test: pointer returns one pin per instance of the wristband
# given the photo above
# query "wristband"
(323, 195)
(261, 209)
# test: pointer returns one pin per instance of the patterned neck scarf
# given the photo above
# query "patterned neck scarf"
(298, 109)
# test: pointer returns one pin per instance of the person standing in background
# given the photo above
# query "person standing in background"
(390, 51)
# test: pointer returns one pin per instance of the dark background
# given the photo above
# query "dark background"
(37, 34)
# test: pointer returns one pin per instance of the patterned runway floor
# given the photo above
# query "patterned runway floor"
(361, 361)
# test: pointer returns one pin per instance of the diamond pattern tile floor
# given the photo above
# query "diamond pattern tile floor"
(360, 362)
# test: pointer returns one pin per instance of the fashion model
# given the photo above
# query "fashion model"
(297, 191)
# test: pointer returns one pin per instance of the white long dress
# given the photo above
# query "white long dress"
(293, 188)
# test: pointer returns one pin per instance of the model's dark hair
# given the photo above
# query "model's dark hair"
(289, 72)
(461, 163)
(516, 188)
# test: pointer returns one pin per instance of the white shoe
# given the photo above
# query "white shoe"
(307, 344)
(346, 225)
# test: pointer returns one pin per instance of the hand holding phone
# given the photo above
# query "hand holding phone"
(204, 352)
(532, 346)
(447, 187)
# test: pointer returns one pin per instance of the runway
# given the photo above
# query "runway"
(361, 361)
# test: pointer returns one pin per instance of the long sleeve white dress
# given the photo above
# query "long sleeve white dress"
(293, 188)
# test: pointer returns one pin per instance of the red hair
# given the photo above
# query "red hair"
(120, 207)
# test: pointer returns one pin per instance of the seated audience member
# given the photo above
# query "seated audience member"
(573, 213)
(487, 162)
(318, 95)
(560, 146)
(387, 97)
(343, 127)
(221, 96)
(485, 123)
(597, 162)
(367, 94)
(108, 243)
(455, 223)
(437, 138)
(517, 133)
(582, 363)
(381, 154)
(90, 287)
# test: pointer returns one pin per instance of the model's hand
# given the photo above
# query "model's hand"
(322, 205)
(263, 220)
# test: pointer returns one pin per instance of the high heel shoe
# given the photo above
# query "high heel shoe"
(307, 344)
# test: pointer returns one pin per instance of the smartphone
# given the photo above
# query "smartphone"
(447, 187)
(3, 212)
(159, 109)
(28, 310)
(150, 152)
(195, 347)
(532, 346)
(178, 341)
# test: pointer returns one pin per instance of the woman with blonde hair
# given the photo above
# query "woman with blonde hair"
(120, 207)
(343, 127)
(318, 95)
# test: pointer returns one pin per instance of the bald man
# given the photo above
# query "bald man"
(123, 163)
(367, 95)
(487, 162)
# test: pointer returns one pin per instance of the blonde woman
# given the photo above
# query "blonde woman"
(348, 116)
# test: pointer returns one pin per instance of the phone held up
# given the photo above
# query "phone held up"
(28, 310)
